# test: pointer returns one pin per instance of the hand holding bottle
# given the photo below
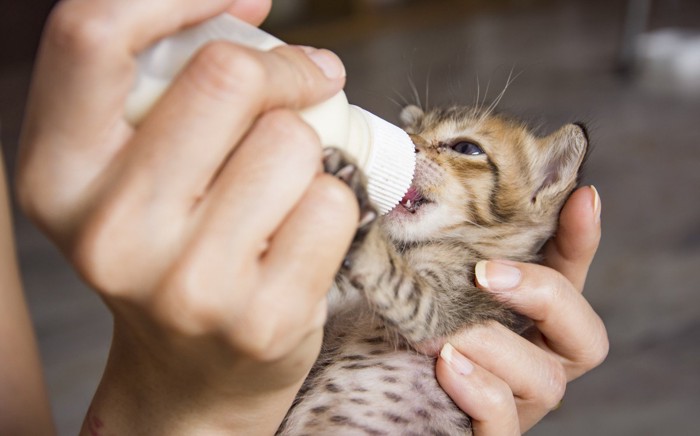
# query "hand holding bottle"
(198, 227)
(383, 151)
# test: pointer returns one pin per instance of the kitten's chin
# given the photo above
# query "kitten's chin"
(410, 215)
(410, 224)
(410, 211)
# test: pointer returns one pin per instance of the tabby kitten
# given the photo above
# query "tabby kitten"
(485, 187)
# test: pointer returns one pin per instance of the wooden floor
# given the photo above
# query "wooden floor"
(646, 165)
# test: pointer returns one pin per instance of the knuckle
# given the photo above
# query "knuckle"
(80, 29)
(258, 349)
(555, 289)
(601, 352)
(49, 204)
(29, 202)
(269, 328)
(334, 194)
(103, 247)
(224, 71)
(497, 398)
(188, 310)
(255, 335)
(295, 132)
(302, 74)
(94, 255)
(551, 292)
(598, 352)
(557, 381)
(305, 78)
(251, 324)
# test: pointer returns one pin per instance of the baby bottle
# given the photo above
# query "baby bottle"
(383, 151)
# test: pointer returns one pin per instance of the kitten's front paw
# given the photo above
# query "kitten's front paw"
(337, 163)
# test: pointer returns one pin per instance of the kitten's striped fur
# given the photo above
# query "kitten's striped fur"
(408, 282)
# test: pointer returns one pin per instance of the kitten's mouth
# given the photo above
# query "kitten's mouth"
(413, 200)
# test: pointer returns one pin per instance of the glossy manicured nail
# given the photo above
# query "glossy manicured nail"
(327, 61)
(460, 364)
(497, 275)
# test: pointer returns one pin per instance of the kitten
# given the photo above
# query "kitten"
(485, 187)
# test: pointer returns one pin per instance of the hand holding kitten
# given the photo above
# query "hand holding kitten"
(512, 383)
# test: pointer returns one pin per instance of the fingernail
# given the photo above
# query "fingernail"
(497, 275)
(329, 63)
(596, 204)
(457, 362)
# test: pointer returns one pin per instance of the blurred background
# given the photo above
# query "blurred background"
(629, 69)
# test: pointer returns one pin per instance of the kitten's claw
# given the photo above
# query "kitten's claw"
(337, 163)
(367, 218)
(328, 151)
(346, 173)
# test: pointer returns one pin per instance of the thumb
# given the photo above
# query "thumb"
(571, 251)
(252, 11)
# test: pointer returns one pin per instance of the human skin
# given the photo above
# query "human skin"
(24, 405)
(197, 228)
(507, 383)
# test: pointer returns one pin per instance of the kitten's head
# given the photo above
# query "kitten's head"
(485, 179)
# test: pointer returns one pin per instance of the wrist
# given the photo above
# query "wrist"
(121, 414)
(141, 393)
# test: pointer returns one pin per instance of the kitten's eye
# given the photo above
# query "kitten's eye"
(468, 148)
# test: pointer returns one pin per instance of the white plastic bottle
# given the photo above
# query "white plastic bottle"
(383, 151)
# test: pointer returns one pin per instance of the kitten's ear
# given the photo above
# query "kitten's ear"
(411, 116)
(563, 153)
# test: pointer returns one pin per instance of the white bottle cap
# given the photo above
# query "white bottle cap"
(391, 163)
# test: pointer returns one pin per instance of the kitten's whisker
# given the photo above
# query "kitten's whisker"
(402, 97)
(480, 105)
(475, 224)
(494, 104)
(416, 95)
(427, 89)
(397, 103)
(478, 93)
(486, 93)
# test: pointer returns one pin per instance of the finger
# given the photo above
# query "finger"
(257, 189)
(536, 378)
(86, 63)
(252, 11)
(570, 325)
(287, 301)
(484, 397)
(259, 186)
(83, 73)
(304, 255)
(571, 251)
(213, 103)
(317, 233)
(538, 375)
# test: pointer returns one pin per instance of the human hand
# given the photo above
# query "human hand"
(209, 230)
(508, 383)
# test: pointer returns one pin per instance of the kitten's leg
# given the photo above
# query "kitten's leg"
(424, 294)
